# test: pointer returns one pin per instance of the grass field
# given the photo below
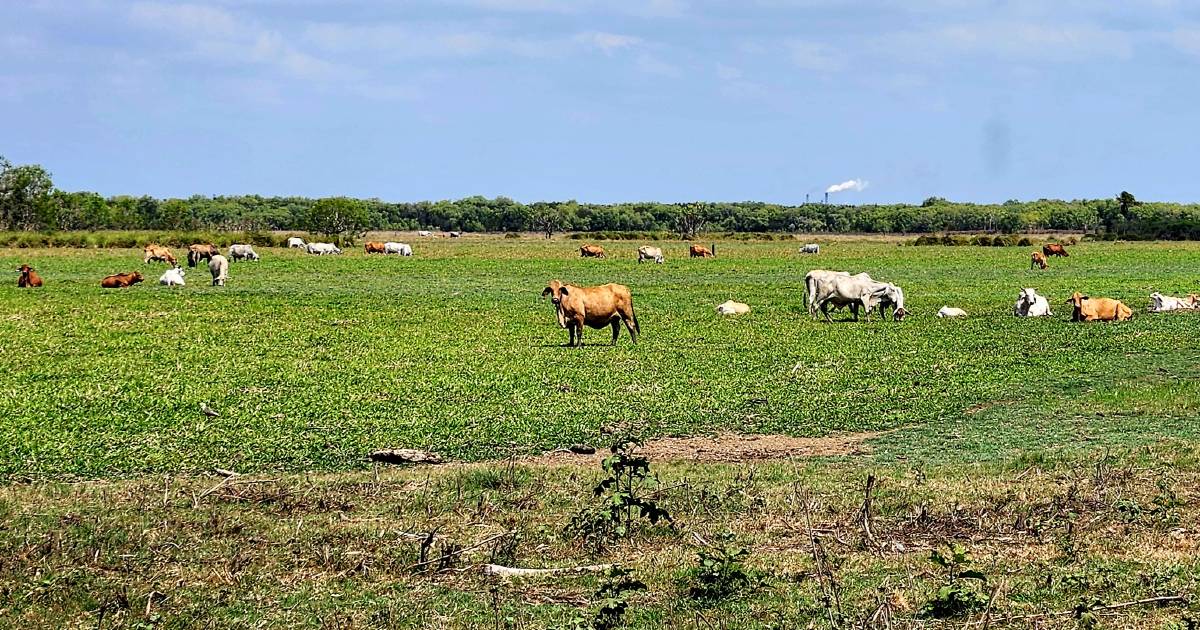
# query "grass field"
(1063, 455)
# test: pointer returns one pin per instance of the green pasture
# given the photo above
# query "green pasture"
(312, 362)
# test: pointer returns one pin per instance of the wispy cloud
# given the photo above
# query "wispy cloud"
(608, 43)
(815, 56)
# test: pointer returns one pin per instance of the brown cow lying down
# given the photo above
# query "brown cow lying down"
(591, 251)
(597, 307)
(1089, 309)
(201, 251)
(117, 281)
(374, 247)
(159, 253)
(28, 277)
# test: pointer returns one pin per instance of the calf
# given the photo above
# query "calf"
(28, 277)
(159, 253)
(1037, 259)
(591, 251)
(201, 251)
(950, 311)
(1054, 249)
(121, 280)
(218, 266)
(729, 307)
(1088, 309)
(700, 251)
(596, 307)
(1030, 304)
(374, 247)
(173, 277)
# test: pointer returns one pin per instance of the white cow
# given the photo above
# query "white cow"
(729, 307)
(424, 233)
(950, 311)
(392, 247)
(645, 252)
(219, 267)
(1160, 303)
(810, 248)
(173, 277)
(1030, 304)
(321, 249)
(239, 251)
(455, 234)
(295, 242)
(841, 289)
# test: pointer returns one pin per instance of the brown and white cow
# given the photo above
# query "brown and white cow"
(1089, 309)
(591, 251)
(201, 251)
(596, 307)
(374, 247)
(1054, 249)
(700, 251)
(28, 277)
(158, 253)
(121, 280)
(1037, 259)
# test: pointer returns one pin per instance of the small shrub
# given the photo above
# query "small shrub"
(958, 596)
(512, 235)
(625, 495)
(612, 593)
(719, 572)
(1025, 242)
(982, 241)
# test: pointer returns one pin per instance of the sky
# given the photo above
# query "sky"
(607, 100)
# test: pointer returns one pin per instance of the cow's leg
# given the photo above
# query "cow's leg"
(825, 312)
(616, 327)
(629, 325)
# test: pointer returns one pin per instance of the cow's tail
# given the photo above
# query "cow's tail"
(637, 327)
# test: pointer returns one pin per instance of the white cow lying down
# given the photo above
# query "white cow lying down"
(950, 311)
(729, 307)
(173, 277)
(392, 247)
(1160, 303)
(1030, 304)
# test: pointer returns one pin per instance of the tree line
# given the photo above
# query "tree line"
(29, 201)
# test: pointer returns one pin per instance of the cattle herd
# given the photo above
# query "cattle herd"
(611, 305)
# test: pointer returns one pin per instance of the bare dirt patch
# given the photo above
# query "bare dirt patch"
(729, 447)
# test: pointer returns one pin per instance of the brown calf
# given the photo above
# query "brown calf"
(374, 247)
(158, 253)
(1054, 249)
(1088, 309)
(700, 251)
(201, 251)
(1037, 259)
(28, 277)
(121, 280)
(591, 251)
(597, 307)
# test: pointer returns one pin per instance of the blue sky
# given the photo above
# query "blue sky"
(607, 100)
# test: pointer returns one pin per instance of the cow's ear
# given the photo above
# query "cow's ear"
(545, 291)
(1085, 298)
(564, 291)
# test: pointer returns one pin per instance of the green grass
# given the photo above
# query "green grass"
(315, 361)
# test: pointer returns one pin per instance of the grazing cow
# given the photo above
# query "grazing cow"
(1030, 304)
(729, 307)
(173, 277)
(401, 249)
(121, 280)
(28, 277)
(700, 251)
(950, 311)
(424, 233)
(841, 289)
(158, 253)
(1160, 303)
(597, 307)
(242, 252)
(295, 242)
(811, 248)
(1054, 249)
(1089, 309)
(456, 234)
(645, 252)
(591, 251)
(374, 247)
(321, 249)
(201, 251)
(218, 266)
(1037, 259)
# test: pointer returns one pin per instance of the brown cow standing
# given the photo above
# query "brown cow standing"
(591, 251)
(597, 307)
(158, 253)
(1088, 309)
(121, 280)
(1054, 249)
(700, 251)
(374, 247)
(28, 277)
(1037, 259)
(201, 251)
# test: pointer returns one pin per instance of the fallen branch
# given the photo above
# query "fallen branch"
(405, 456)
(459, 551)
(495, 569)
(1164, 599)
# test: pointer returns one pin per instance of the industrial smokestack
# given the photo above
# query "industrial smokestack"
(826, 197)
(805, 198)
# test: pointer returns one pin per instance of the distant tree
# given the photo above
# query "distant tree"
(25, 197)
(339, 217)
(546, 218)
(1126, 202)
(933, 201)
(690, 220)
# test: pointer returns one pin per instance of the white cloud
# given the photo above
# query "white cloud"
(815, 56)
(1185, 40)
(1010, 40)
(649, 64)
(607, 42)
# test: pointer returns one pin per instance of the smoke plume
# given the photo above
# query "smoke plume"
(850, 184)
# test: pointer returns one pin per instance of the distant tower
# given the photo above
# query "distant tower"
(826, 198)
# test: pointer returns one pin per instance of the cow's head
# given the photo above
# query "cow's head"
(1076, 299)
(137, 276)
(557, 292)
(24, 269)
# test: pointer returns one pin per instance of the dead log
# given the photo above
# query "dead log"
(495, 569)
(405, 456)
